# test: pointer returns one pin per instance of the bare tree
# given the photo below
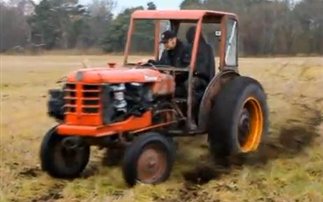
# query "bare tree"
(14, 28)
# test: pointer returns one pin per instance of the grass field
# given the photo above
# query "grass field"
(289, 166)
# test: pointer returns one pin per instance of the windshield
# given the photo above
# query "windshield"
(142, 43)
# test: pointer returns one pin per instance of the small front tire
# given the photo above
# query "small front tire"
(59, 161)
(149, 159)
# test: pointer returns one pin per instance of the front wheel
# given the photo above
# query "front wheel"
(148, 159)
(239, 118)
(60, 161)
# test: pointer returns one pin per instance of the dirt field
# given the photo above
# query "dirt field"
(289, 167)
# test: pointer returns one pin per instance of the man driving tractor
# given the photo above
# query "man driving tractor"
(178, 54)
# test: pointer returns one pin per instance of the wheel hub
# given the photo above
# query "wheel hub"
(68, 155)
(244, 125)
(151, 164)
(250, 125)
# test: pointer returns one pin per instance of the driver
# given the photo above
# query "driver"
(176, 53)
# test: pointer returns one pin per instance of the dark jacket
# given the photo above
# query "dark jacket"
(178, 57)
(205, 64)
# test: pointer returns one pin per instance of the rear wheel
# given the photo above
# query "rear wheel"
(239, 118)
(148, 159)
(59, 161)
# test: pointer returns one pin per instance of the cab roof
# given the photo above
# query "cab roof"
(178, 14)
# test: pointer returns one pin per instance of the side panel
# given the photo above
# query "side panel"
(132, 123)
(211, 91)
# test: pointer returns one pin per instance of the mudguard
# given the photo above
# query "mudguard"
(211, 91)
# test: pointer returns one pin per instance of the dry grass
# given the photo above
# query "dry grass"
(288, 168)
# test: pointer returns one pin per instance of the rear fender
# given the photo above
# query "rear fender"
(211, 91)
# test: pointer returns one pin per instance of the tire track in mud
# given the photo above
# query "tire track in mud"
(53, 193)
(191, 193)
(30, 172)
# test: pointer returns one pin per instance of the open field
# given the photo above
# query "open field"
(289, 167)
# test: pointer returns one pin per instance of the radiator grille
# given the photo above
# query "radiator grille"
(82, 98)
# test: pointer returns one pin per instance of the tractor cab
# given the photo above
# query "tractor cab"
(217, 30)
(220, 30)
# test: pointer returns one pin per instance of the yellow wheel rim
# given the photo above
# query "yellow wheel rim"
(250, 125)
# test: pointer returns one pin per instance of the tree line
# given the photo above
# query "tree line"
(273, 27)
(267, 27)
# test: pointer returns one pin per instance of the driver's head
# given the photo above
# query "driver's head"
(168, 38)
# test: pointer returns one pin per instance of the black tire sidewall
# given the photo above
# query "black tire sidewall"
(48, 163)
(225, 114)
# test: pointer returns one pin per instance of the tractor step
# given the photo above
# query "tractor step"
(186, 133)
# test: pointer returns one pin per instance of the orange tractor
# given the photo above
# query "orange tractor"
(134, 106)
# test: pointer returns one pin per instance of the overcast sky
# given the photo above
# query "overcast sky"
(161, 4)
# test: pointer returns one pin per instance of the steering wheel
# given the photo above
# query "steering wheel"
(148, 64)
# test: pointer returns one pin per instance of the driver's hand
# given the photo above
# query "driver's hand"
(151, 61)
(146, 61)
(143, 61)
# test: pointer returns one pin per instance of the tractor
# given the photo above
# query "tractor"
(134, 106)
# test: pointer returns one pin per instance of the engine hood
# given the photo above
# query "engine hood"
(115, 75)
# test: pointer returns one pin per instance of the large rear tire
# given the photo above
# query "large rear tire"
(60, 162)
(239, 118)
(149, 159)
